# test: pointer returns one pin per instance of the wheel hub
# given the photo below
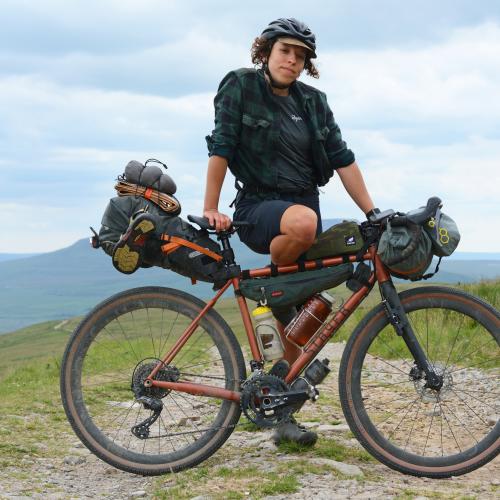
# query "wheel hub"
(139, 384)
(434, 394)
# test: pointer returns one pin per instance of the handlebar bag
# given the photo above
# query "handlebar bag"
(293, 289)
(444, 234)
(406, 251)
(340, 239)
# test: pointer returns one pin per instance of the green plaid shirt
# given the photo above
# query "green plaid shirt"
(247, 129)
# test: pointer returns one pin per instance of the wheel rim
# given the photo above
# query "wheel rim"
(434, 426)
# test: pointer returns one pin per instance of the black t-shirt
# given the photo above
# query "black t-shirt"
(294, 157)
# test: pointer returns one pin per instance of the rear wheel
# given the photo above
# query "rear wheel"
(109, 356)
(403, 423)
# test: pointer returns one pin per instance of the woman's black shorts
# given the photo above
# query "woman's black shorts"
(266, 217)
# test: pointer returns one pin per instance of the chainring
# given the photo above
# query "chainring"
(141, 372)
(254, 392)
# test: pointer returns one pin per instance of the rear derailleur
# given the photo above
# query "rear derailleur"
(150, 397)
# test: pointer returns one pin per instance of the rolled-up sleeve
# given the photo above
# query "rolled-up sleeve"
(339, 155)
(225, 137)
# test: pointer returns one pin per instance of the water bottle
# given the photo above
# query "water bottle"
(268, 337)
(310, 318)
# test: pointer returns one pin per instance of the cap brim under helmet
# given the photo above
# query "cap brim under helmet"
(299, 43)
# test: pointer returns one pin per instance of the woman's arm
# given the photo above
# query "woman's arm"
(352, 179)
(216, 172)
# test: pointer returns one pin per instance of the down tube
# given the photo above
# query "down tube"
(323, 336)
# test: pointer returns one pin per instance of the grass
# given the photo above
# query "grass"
(32, 422)
(327, 448)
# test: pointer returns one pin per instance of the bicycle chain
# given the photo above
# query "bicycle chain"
(239, 424)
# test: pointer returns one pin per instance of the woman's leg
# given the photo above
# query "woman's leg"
(298, 227)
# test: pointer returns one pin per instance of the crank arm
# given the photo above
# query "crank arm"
(282, 399)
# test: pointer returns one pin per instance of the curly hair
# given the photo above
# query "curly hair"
(261, 48)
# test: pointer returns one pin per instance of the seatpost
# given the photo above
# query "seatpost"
(227, 251)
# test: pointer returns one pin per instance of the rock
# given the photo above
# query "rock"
(343, 468)
(137, 494)
(310, 425)
(492, 420)
(73, 460)
(333, 428)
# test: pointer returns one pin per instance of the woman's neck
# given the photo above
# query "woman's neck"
(276, 90)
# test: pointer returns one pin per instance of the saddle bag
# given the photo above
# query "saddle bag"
(175, 244)
(340, 239)
(293, 289)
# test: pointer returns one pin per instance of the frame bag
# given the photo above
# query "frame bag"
(293, 289)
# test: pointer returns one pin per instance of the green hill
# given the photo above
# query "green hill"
(69, 282)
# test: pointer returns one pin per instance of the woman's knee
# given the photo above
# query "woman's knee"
(300, 222)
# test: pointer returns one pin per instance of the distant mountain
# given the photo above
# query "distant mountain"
(15, 256)
(70, 281)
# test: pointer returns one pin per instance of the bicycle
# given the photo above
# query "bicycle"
(153, 380)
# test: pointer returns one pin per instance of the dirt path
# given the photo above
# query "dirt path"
(247, 466)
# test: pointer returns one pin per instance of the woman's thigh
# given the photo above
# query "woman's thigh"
(266, 219)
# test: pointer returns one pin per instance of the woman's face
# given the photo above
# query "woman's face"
(286, 62)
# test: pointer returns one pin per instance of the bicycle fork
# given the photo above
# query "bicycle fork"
(397, 317)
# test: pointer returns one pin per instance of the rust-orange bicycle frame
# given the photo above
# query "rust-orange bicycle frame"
(314, 346)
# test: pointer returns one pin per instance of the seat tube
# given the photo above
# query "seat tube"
(247, 321)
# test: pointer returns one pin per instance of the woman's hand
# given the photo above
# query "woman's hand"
(221, 222)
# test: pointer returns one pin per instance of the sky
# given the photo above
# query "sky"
(86, 86)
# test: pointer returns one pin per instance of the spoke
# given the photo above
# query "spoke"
(466, 404)
(166, 430)
(193, 424)
(392, 366)
(460, 422)
(173, 420)
(462, 354)
(201, 364)
(114, 351)
(384, 384)
(151, 333)
(412, 426)
(403, 417)
(429, 432)
(454, 342)
(172, 324)
(479, 363)
(480, 400)
(384, 403)
(193, 339)
(449, 426)
(127, 339)
(393, 352)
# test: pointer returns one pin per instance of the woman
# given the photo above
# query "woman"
(278, 137)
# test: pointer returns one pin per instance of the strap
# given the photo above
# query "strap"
(274, 269)
(185, 243)
(148, 193)
(430, 275)
(245, 275)
(319, 263)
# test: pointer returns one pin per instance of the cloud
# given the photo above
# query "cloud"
(422, 119)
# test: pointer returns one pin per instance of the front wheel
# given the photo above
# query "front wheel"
(396, 417)
(110, 355)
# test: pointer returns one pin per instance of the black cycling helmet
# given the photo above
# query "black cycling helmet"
(291, 28)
